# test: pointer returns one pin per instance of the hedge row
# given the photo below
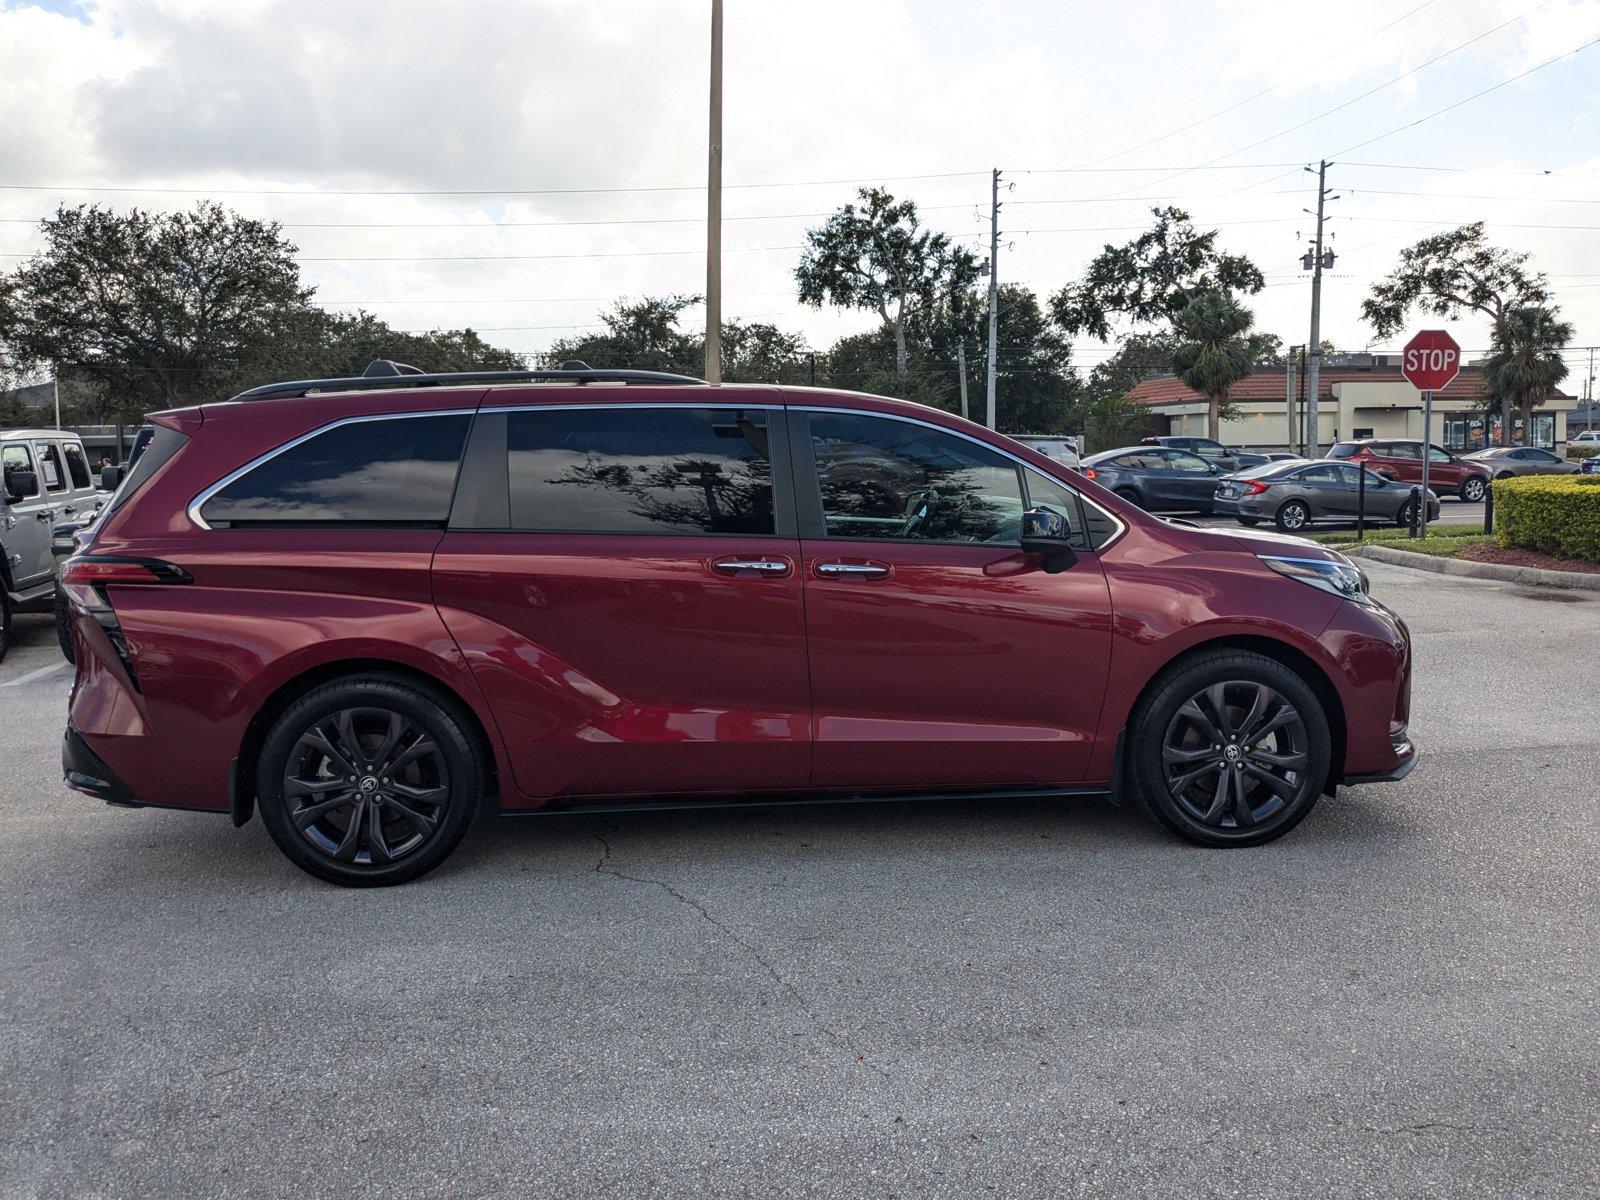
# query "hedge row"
(1558, 514)
(1580, 452)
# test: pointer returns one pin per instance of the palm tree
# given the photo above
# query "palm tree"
(1213, 350)
(1526, 363)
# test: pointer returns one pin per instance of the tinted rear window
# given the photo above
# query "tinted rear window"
(640, 470)
(1344, 450)
(385, 471)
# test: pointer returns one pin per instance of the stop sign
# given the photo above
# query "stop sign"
(1430, 360)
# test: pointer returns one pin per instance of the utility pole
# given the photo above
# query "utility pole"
(714, 208)
(1314, 348)
(961, 372)
(55, 379)
(1288, 396)
(994, 291)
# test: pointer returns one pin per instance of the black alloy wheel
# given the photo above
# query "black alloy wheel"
(1402, 515)
(1231, 748)
(1293, 516)
(369, 780)
(1473, 489)
(1131, 496)
(69, 650)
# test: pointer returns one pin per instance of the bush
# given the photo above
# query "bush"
(1577, 453)
(1557, 514)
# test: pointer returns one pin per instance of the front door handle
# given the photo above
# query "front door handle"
(851, 570)
(767, 568)
(45, 514)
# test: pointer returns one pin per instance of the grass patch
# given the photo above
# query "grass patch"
(1438, 547)
(1390, 535)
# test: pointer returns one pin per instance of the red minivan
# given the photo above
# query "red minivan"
(366, 606)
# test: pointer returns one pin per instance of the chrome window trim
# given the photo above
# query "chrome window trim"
(1118, 522)
(194, 506)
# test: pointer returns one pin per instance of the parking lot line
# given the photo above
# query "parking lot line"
(32, 675)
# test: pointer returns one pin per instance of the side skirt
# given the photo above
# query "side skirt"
(800, 800)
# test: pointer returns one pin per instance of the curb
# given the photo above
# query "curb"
(1503, 572)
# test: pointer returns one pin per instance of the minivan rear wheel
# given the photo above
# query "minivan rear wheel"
(1230, 748)
(370, 780)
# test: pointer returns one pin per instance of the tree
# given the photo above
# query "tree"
(1107, 416)
(1454, 273)
(643, 335)
(879, 258)
(1526, 364)
(154, 304)
(1213, 351)
(1150, 278)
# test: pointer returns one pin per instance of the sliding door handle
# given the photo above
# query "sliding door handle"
(852, 570)
(767, 568)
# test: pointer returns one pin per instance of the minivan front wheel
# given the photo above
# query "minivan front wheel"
(369, 780)
(1230, 749)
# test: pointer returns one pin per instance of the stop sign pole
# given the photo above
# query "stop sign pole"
(1429, 361)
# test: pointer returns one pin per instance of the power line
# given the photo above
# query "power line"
(1266, 90)
(1468, 99)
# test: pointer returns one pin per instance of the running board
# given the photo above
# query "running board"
(564, 808)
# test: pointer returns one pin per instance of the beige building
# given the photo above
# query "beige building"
(1362, 395)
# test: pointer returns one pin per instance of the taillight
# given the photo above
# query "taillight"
(1090, 473)
(1254, 487)
(96, 571)
(85, 578)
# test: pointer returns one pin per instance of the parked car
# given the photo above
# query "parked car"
(1155, 478)
(1226, 457)
(1508, 461)
(1590, 465)
(366, 605)
(1589, 437)
(1063, 450)
(1294, 495)
(1401, 458)
(46, 479)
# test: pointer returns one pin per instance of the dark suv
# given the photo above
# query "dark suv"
(364, 606)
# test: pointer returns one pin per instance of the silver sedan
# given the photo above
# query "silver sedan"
(1295, 494)
(1507, 461)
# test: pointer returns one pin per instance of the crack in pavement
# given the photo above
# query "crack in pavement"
(604, 867)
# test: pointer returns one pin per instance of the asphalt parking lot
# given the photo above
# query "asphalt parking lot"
(1018, 999)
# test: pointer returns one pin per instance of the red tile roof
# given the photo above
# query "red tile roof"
(1267, 383)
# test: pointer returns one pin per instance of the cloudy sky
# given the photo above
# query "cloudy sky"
(516, 164)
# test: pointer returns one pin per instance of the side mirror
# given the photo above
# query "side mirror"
(1046, 533)
(20, 485)
(110, 477)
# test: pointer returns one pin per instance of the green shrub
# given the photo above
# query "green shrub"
(1576, 453)
(1398, 533)
(1558, 514)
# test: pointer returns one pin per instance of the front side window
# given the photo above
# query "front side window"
(1189, 464)
(51, 474)
(77, 464)
(640, 470)
(1207, 448)
(881, 478)
(14, 458)
(384, 471)
(1437, 455)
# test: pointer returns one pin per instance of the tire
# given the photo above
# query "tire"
(5, 621)
(64, 628)
(1208, 799)
(1131, 496)
(1503, 475)
(1250, 521)
(1473, 488)
(1402, 515)
(1292, 516)
(336, 733)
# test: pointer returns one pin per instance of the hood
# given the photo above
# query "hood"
(1255, 541)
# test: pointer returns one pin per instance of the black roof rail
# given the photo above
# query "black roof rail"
(383, 375)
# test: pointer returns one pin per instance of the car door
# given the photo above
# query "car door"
(942, 657)
(623, 579)
(1403, 460)
(80, 500)
(1190, 480)
(25, 529)
(1541, 462)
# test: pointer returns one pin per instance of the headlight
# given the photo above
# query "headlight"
(1339, 576)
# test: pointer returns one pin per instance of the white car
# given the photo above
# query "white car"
(1589, 437)
(1063, 449)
